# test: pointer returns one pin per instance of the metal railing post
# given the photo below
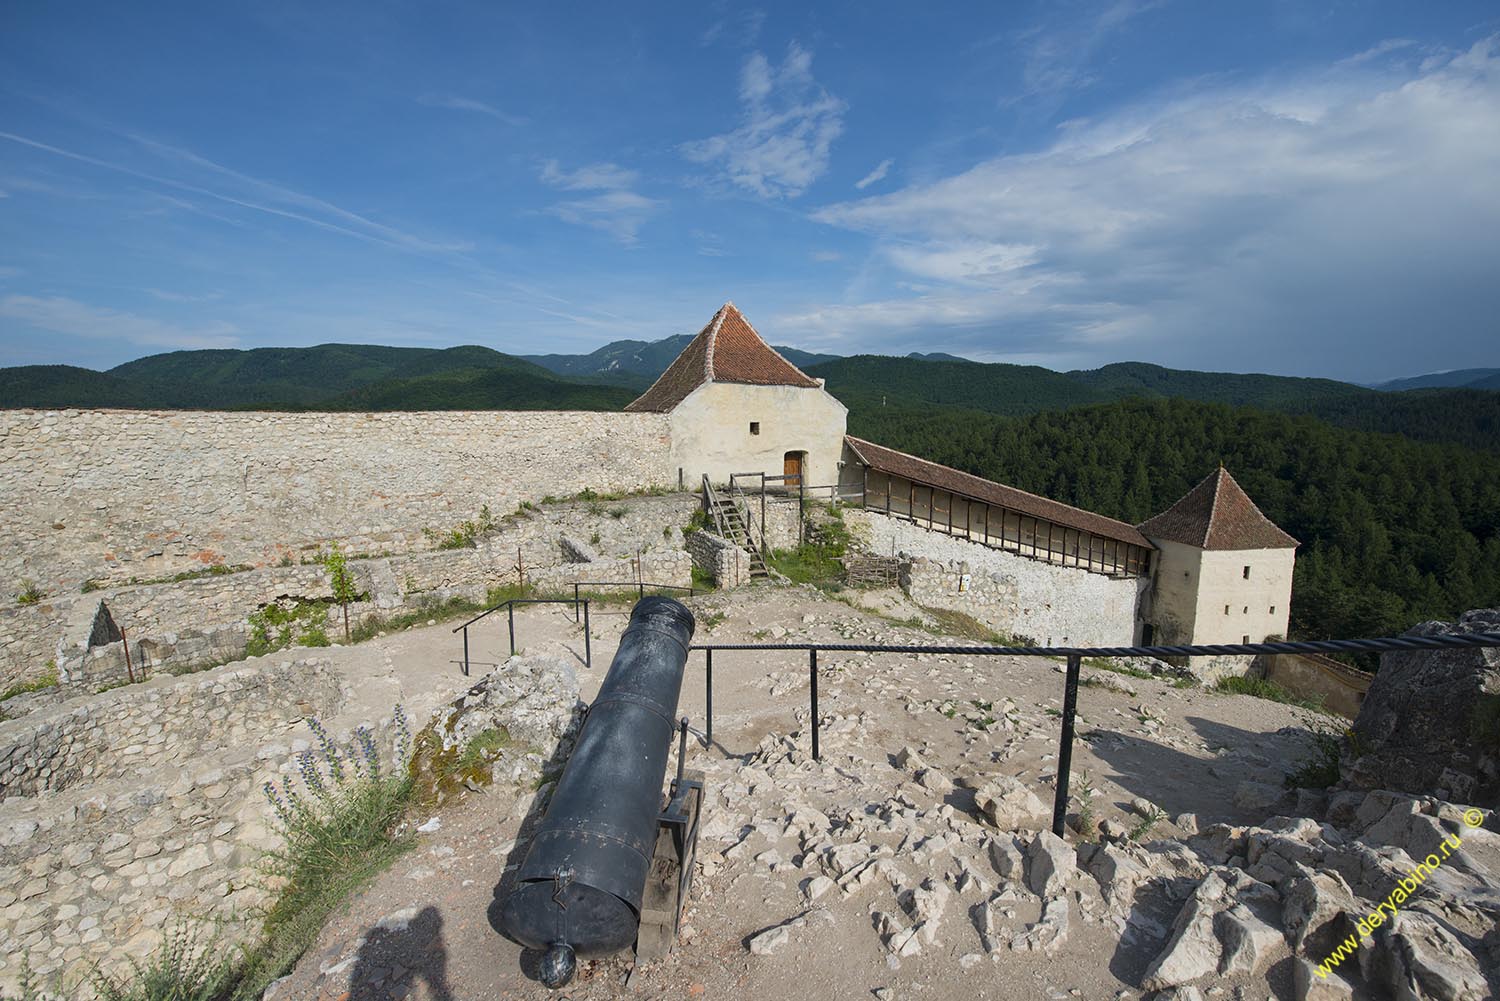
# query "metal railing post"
(588, 649)
(708, 678)
(510, 614)
(1065, 743)
(641, 587)
(682, 751)
(812, 670)
(466, 651)
(575, 601)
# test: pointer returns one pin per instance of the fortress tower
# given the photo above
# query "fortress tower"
(1223, 571)
(735, 405)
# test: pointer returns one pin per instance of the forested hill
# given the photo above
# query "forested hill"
(867, 382)
(326, 377)
(1393, 531)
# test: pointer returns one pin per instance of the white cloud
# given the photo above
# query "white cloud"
(594, 177)
(1323, 223)
(454, 102)
(616, 210)
(790, 123)
(826, 256)
(59, 315)
(881, 169)
(1057, 59)
(621, 214)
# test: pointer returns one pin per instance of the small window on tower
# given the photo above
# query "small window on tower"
(1273, 609)
(755, 427)
(1246, 639)
(1246, 574)
(1226, 609)
(1247, 609)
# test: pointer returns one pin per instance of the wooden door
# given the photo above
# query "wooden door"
(791, 467)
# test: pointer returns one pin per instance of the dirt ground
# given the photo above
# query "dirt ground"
(427, 928)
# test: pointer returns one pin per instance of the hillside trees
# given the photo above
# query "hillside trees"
(1393, 531)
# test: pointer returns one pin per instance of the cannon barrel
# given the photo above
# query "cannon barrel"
(578, 891)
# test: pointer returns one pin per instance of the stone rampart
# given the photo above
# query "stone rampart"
(138, 730)
(1050, 604)
(114, 495)
(186, 624)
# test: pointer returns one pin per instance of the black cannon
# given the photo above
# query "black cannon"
(608, 867)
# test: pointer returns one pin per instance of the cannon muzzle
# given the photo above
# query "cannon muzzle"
(579, 890)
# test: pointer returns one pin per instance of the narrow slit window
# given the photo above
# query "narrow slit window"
(1226, 609)
(755, 427)
(1273, 609)
(1246, 639)
(1246, 573)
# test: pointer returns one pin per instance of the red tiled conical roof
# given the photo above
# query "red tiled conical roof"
(1217, 514)
(727, 350)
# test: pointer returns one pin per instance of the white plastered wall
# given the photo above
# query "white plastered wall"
(711, 431)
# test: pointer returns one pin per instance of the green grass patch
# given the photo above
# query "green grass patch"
(29, 594)
(41, 683)
(216, 570)
(1263, 689)
(277, 625)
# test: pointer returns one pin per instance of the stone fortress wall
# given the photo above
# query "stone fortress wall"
(185, 624)
(112, 497)
(114, 494)
(1051, 604)
(126, 808)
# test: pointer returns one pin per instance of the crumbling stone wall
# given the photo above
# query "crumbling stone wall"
(1052, 605)
(728, 564)
(119, 494)
(203, 620)
(143, 728)
(162, 812)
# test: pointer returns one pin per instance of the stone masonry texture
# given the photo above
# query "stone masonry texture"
(1012, 594)
(113, 495)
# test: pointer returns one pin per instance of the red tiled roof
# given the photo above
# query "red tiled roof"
(894, 463)
(727, 350)
(1217, 514)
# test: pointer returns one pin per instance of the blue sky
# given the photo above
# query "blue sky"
(1287, 187)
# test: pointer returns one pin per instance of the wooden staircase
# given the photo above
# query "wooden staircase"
(732, 521)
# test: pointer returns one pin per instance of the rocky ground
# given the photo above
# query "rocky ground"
(912, 860)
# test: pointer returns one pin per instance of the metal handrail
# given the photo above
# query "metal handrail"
(1075, 657)
(510, 613)
(639, 585)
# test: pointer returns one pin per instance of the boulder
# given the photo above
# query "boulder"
(1050, 863)
(1006, 857)
(1416, 957)
(1193, 950)
(1413, 725)
(1249, 942)
(1009, 804)
(1314, 907)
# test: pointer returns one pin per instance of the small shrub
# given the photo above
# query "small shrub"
(91, 585)
(595, 509)
(487, 520)
(617, 513)
(1322, 769)
(183, 968)
(345, 589)
(594, 539)
(29, 594)
(339, 830)
(666, 532)
(1143, 829)
(702, 580)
